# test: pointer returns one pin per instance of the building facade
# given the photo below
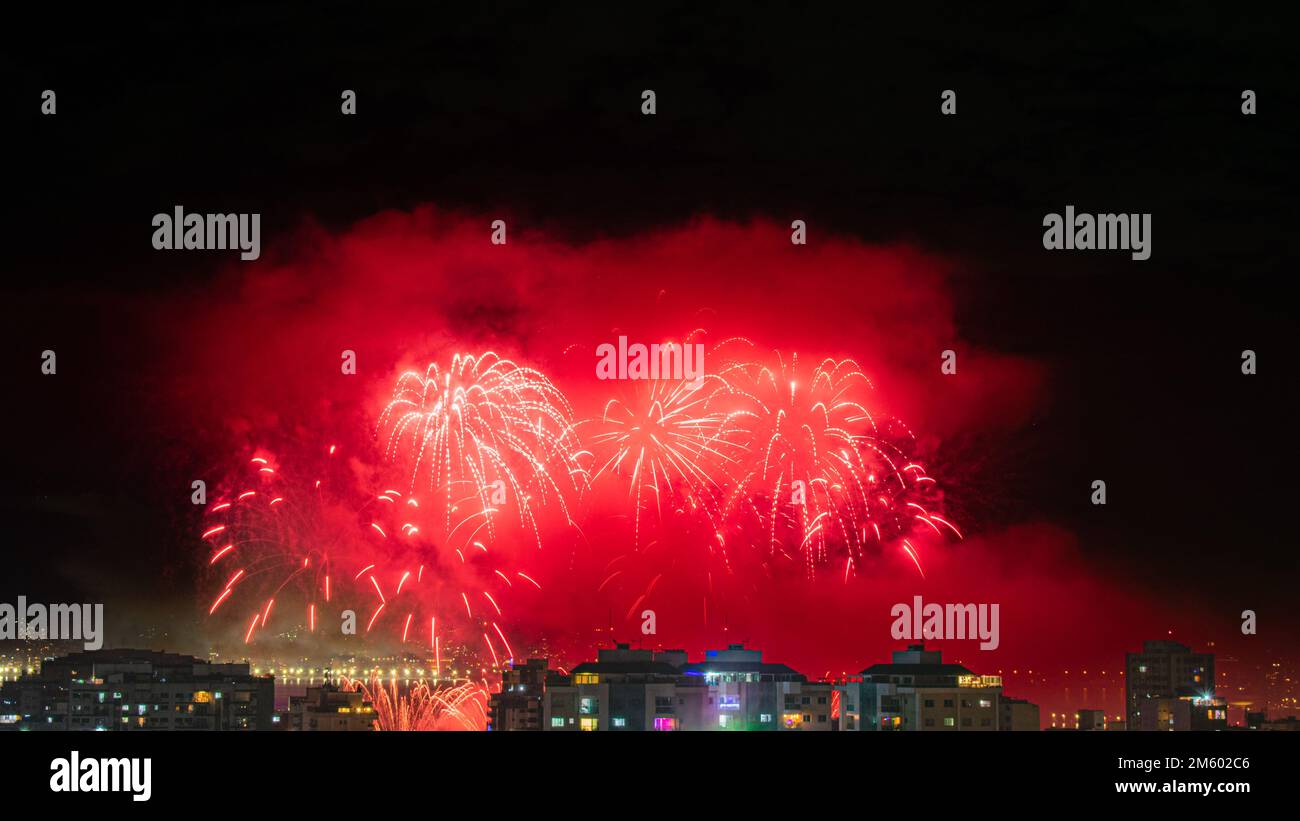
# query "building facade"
(518, 705)
(1181, 714)
(918, 692)
(1164, 670)
(138, 690)
(628, 689)
(328, 708)
(1017, 714)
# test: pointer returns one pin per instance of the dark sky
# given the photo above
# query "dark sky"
(821, 115)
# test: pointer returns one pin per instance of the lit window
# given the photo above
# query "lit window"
(950, 722)
(765, 718)
(557, 721)
(619, 721)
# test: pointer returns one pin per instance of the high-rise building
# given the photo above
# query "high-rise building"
(634, 689)
(624, 689)
(746, 693)
(328, 708)
(1185, 713)
(1165, 670)
(518, 706)
(917, 691)
(138, 690)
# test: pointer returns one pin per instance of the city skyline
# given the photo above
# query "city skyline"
(365, 365)
(1049, 692)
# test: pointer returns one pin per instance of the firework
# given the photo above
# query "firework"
(671, 445)
(787, 464)
(288, 554)
(826, 479)
(424, 592)
(275, 544)
(763, 461)
(482, 435)
(421, 707)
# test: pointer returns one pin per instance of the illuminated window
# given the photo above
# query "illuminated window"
(587, 724)
(765, 718)
(792, 720)
(586, 678)
(950, 722)
(729, 702)
(722, 720)
(557, 721)
(665, 723)
(588, 706)
(618, 721)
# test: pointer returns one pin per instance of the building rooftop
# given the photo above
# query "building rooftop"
(627, 668)
(917, 670)
(762, 668)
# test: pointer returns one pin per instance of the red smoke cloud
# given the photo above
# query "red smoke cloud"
(256, 355)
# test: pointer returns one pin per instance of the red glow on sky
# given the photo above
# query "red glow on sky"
(259, 362)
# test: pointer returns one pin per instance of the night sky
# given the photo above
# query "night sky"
(924, 234)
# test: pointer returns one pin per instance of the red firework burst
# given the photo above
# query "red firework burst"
(827, 477)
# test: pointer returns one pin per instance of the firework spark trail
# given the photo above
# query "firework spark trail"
(422, 707)
(776, 460)
(279, 536)
(299, 552)
(826, 474)
(424, 592)
(787, 461)
(482, 434)
(672, 445)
